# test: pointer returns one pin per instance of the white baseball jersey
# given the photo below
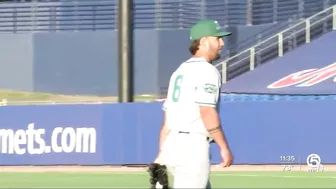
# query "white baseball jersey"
(195, 83)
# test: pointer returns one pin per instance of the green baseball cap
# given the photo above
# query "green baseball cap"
(205, 28)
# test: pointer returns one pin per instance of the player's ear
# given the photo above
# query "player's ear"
(203, 41)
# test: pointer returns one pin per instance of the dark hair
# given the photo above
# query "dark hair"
(194, 46)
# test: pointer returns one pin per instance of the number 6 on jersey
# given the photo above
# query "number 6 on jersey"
(177, 88)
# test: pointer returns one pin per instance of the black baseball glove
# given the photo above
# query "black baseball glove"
(158, 173)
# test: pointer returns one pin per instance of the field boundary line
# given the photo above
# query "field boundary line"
(214, 168)
(272, 176)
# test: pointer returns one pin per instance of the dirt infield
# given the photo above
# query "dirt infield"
(143, 169)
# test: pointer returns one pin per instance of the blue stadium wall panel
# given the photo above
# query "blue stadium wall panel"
(86, 63)
(16, 62)
(259, 132)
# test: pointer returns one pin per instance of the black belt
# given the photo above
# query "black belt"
(185, 132)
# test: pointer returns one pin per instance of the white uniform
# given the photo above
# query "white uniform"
(186, 151)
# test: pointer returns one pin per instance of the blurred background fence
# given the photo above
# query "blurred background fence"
(74, 15)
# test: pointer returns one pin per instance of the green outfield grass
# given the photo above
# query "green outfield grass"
(140, 180)
(8, 97)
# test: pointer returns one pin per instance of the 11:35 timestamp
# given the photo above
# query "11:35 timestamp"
(287, 162)
(287, 159)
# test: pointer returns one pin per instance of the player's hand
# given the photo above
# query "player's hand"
(227, 158)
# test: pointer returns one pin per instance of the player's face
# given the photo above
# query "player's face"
(215, 45)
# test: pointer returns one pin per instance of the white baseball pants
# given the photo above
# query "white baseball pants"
(187, 157)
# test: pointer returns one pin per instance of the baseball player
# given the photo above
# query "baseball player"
(191, 120)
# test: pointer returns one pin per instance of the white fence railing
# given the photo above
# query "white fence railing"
(305, 28)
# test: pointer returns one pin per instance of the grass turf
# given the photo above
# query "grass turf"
(140, 180)
(8, 97)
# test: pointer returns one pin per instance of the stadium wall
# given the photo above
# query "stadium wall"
(259, 132)
(86, 63)
(16, 62)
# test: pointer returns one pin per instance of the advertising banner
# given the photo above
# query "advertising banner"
(259, 132)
